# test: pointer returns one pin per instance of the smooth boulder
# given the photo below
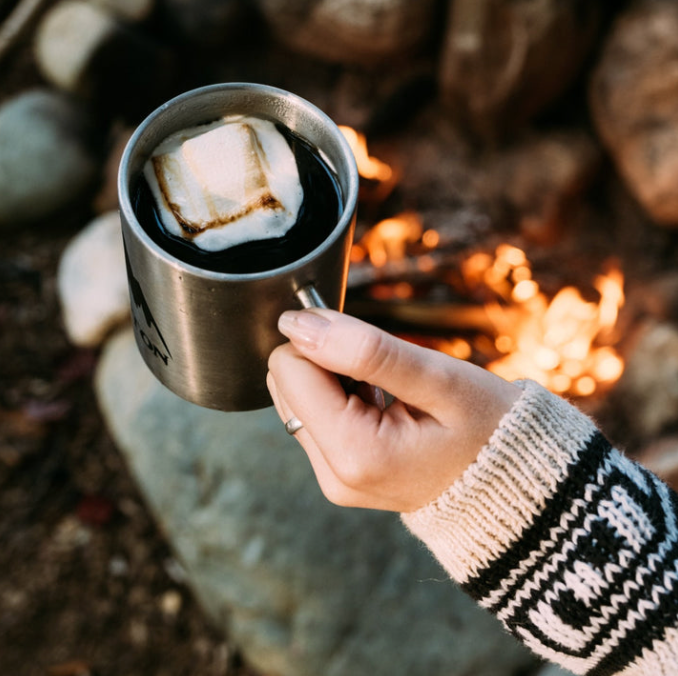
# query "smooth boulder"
(49, 159)
(633, 93)
(300, 586)
(92, 282)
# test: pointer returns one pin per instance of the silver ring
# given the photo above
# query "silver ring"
(293, 425)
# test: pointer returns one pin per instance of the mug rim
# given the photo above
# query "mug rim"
(349, 200)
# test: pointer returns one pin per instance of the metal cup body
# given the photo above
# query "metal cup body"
(207, 335)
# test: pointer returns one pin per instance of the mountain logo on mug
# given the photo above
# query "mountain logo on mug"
(152, 329)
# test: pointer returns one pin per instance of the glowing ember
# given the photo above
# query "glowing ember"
(368, 167)
(564, 343)
(388, 240)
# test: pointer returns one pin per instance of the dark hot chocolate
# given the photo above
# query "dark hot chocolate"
(317, 215)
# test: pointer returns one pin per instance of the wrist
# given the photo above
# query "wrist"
(498, 496)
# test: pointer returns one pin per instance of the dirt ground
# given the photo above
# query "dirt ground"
(88, 584)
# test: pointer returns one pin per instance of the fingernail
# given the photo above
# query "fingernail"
(306, 328)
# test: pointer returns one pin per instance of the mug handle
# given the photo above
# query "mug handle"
(309, 297)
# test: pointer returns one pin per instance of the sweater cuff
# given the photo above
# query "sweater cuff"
(478, 518)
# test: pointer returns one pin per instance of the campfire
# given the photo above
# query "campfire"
(565, 341)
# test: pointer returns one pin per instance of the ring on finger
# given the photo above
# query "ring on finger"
(293, 425)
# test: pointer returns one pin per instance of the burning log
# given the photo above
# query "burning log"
(565, 343)
(411, 269)
(377, 178)
(428, 316)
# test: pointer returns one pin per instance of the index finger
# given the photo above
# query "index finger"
(346, 345)
(315, 395)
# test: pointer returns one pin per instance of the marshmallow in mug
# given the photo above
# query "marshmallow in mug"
(228, 182)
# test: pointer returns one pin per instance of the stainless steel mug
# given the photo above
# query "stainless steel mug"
(207, 335)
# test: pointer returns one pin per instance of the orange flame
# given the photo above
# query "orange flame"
(388, 239)
(564, 343)
(368, 167)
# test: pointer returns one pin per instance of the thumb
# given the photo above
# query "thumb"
(348, 346)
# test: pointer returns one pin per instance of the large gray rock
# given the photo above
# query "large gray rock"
(552, 670)
(503, 62)
(301, 586)
(364, 32)
(47, 161)
(633, 96)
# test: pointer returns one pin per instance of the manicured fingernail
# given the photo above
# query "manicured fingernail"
(304, 327)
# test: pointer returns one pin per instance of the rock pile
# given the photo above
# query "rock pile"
(485, 59)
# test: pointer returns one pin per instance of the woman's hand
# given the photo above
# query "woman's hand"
(396, 458)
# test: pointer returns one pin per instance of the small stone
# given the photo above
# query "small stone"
(363, 32)
(138, 632)
(47, 161)
(92, 282)
(175, 570)
(14, 599)
(297, 584)
(70, 534)
(118, 566)
(633, 94)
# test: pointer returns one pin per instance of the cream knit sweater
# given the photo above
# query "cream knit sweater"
(570, 544)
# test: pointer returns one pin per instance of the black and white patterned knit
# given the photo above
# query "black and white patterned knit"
(570, 544)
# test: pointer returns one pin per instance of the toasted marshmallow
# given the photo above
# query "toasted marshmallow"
(232, 181)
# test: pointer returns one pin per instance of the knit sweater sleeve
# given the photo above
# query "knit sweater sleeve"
(571, 545)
